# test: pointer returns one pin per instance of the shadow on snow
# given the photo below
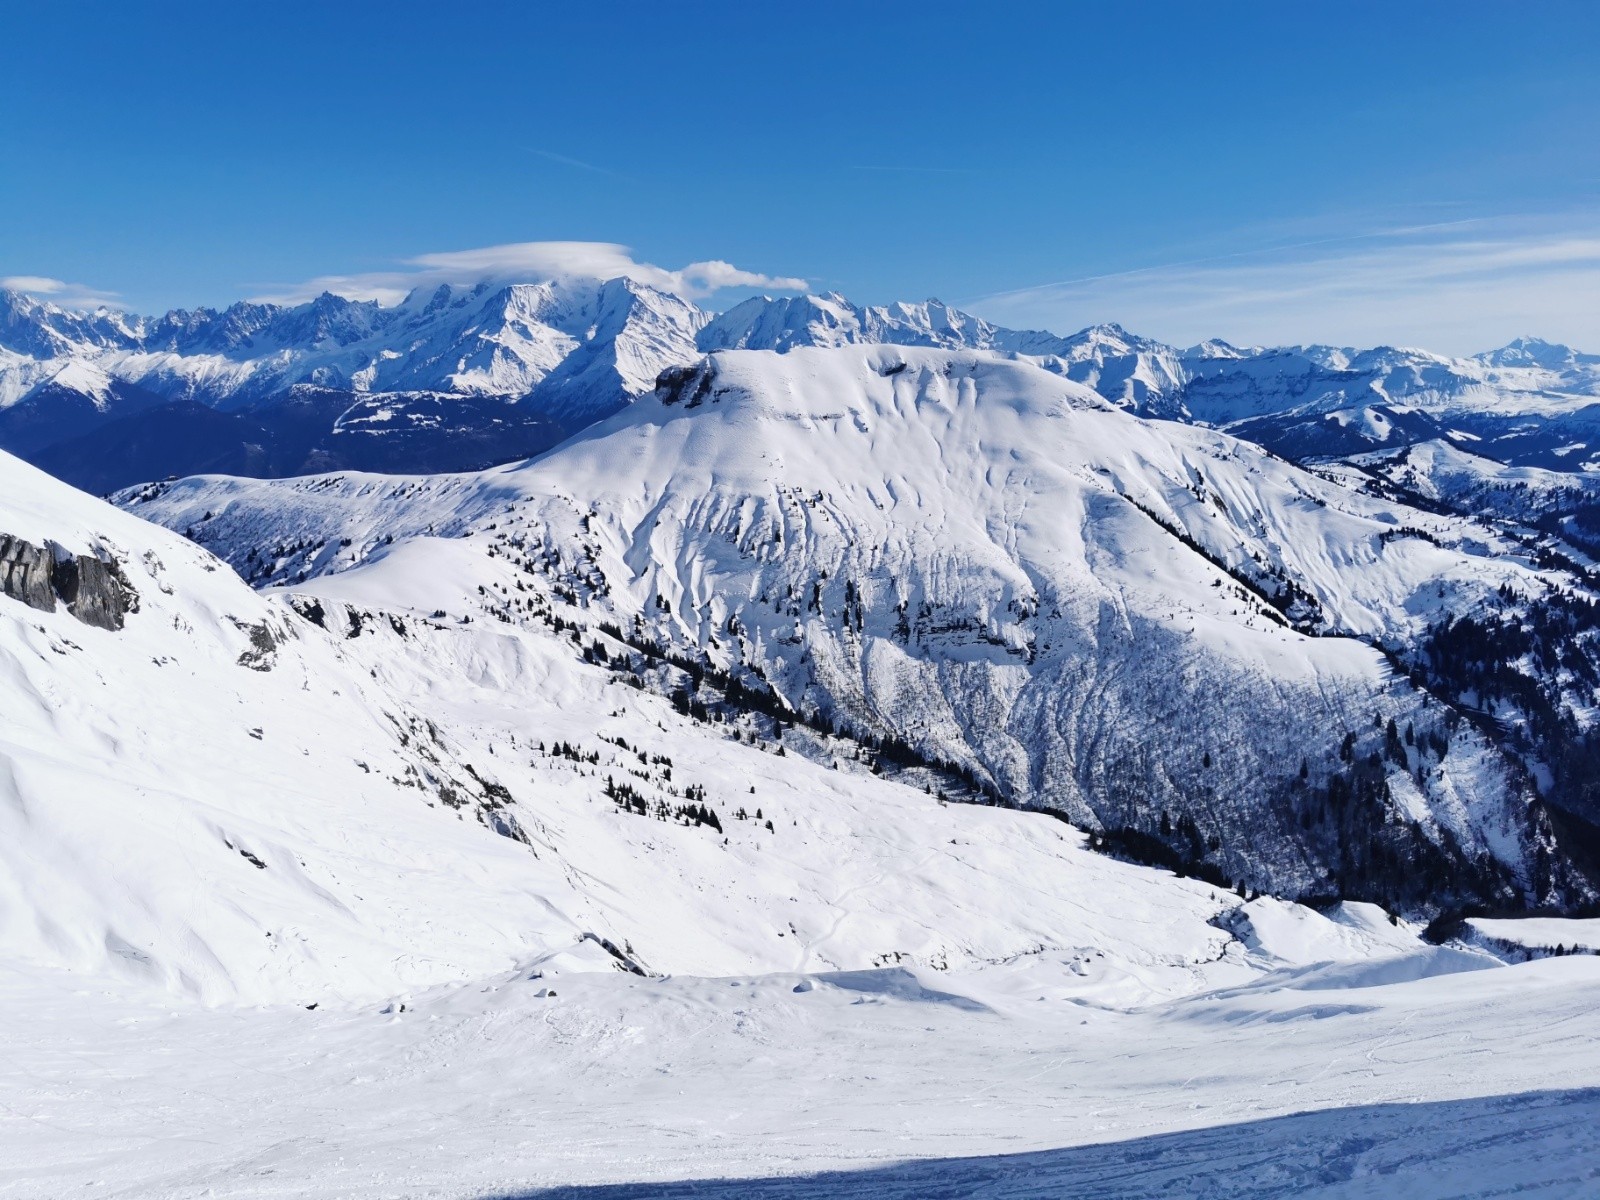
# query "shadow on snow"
(1544, 1144)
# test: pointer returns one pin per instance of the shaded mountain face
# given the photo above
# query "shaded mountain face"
(307, 430)
(969, 565)
(77, 401)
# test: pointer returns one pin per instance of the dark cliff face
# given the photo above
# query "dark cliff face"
(94, 590)
(25, 571)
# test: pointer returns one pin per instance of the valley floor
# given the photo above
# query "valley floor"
(1428, 1073)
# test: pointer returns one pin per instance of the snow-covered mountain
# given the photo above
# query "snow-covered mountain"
(459, 376)
(969, 563)
(1128, 370)
(1305, 402)
(487, 339)
(1530, 403)
(1325, 402)
(1133, 372)
(371, 785)
(300, 385)
(1441, 471)
(765, 323)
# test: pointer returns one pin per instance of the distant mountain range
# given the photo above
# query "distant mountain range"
(462, 377)
(450, 377)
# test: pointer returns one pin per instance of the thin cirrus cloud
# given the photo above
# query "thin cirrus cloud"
(567, 161)
(1455, 288)
(527, 262)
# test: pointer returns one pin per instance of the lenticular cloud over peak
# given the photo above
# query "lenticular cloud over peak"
(59, 291)
(531, 261)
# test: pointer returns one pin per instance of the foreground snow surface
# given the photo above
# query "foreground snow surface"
(1429, 1073)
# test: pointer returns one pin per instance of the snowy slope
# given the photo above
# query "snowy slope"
(990, 563)
(227, 800)
(1412, 1074)
(213, 799)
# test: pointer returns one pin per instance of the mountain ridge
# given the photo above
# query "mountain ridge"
(557, 355)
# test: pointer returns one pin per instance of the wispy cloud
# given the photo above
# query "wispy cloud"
(578, 163)
(912, 170)
(1455, 286)
(529, 262)
(59, 291)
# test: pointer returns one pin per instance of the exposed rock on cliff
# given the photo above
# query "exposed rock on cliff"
(93, 589)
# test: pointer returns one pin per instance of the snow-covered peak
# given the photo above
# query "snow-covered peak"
(1109, 334)
(1536, 352)
(1129, 370)
(1217, 348)
(768, 323)
(1133, 372)
(42, 329)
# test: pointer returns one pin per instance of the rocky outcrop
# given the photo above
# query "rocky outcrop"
(94, 589)
(25, 571)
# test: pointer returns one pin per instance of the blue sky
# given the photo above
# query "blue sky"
(1425, 173)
